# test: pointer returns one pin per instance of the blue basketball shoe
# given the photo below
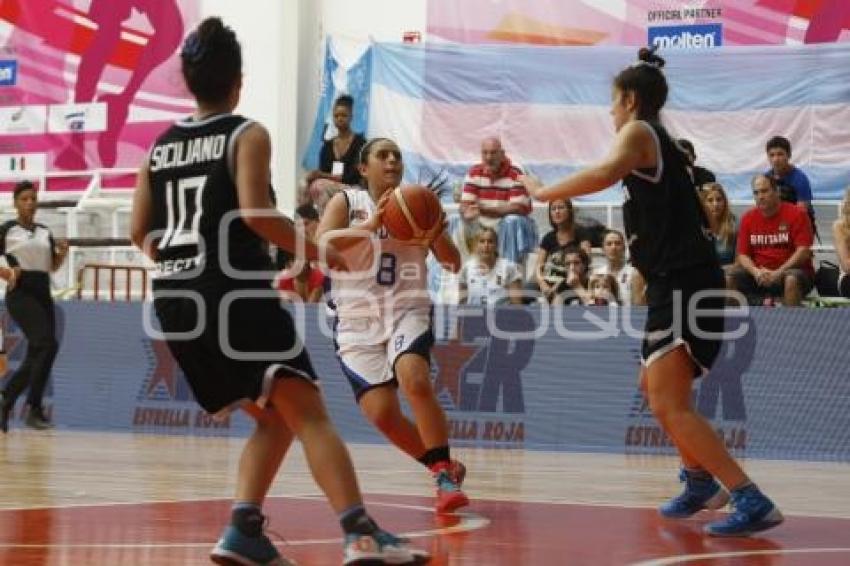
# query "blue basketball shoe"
(701, 492)
(752, 512)
(237, 549)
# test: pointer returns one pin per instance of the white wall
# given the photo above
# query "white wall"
(266, 29)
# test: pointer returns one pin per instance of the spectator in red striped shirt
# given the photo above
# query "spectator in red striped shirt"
(502, 200)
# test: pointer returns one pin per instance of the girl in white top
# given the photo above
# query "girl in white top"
(487, 278)
(383, 329)
(629, 281)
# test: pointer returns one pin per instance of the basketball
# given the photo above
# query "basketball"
(411, 212)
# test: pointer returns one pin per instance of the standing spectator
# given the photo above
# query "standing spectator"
(701, 175)
(32, 254)
(564, 233)
(629, 281)
(837, 281)
(792, 183)
(722, 224)
(487, 278)
(774, 248)
(338, 157)
(503, 202)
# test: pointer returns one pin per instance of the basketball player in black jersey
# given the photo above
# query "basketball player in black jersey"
(202, 212)
(671, 247)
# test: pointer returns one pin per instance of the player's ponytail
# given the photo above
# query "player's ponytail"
(646, 80)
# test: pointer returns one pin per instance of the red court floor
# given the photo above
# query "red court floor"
(491, 532)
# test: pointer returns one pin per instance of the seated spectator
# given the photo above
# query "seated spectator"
(836, 282)
(308, 284)
(566, 273)
(630, 284)
(503, 203)
(307, 222)
(722, 223)
(701, 175)
(564, 233)
(487, 278)
(604, 290)
(339, 155)
(793, 184)
(774, 248)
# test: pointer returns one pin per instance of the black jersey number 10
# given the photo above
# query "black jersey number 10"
(184, 204)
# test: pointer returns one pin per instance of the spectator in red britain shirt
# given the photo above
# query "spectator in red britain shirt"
(502, 200)
(774, 248)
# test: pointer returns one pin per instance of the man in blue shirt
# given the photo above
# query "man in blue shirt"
(792, 183)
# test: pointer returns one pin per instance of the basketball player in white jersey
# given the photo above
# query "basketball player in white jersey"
(383, 329)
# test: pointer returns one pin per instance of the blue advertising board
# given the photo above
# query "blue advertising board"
(511, 377)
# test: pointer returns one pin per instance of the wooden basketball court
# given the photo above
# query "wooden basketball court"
(107, 499)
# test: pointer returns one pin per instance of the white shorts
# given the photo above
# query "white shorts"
(368, 347)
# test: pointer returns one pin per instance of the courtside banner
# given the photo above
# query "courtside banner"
(625, 22)
(91, 84)
(508, 378)
(686, 37)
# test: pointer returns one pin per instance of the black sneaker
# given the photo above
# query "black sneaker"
(36, 419)
(5, 412)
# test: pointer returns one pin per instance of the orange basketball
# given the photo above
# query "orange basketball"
(411, 212)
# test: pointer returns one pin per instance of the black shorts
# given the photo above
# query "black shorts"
(668, 323)
(236, 358)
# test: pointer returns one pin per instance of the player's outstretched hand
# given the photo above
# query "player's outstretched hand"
(532, 184)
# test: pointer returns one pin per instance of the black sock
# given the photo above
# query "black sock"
(435, 455)
(355, 521)
(248, 518)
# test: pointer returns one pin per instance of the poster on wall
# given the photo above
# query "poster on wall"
(88, 84)
(668, 23)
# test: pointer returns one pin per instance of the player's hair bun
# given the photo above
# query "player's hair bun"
(647, 55)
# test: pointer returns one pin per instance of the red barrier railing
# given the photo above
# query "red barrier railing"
(113, 271)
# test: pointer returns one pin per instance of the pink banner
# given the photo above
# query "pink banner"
(88, 84)
(680, 23)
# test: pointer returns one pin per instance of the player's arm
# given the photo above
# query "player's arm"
(142, 214)
(445, 251)
(629, 153)
(253, 178)
(334, 226)
(638, 288)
